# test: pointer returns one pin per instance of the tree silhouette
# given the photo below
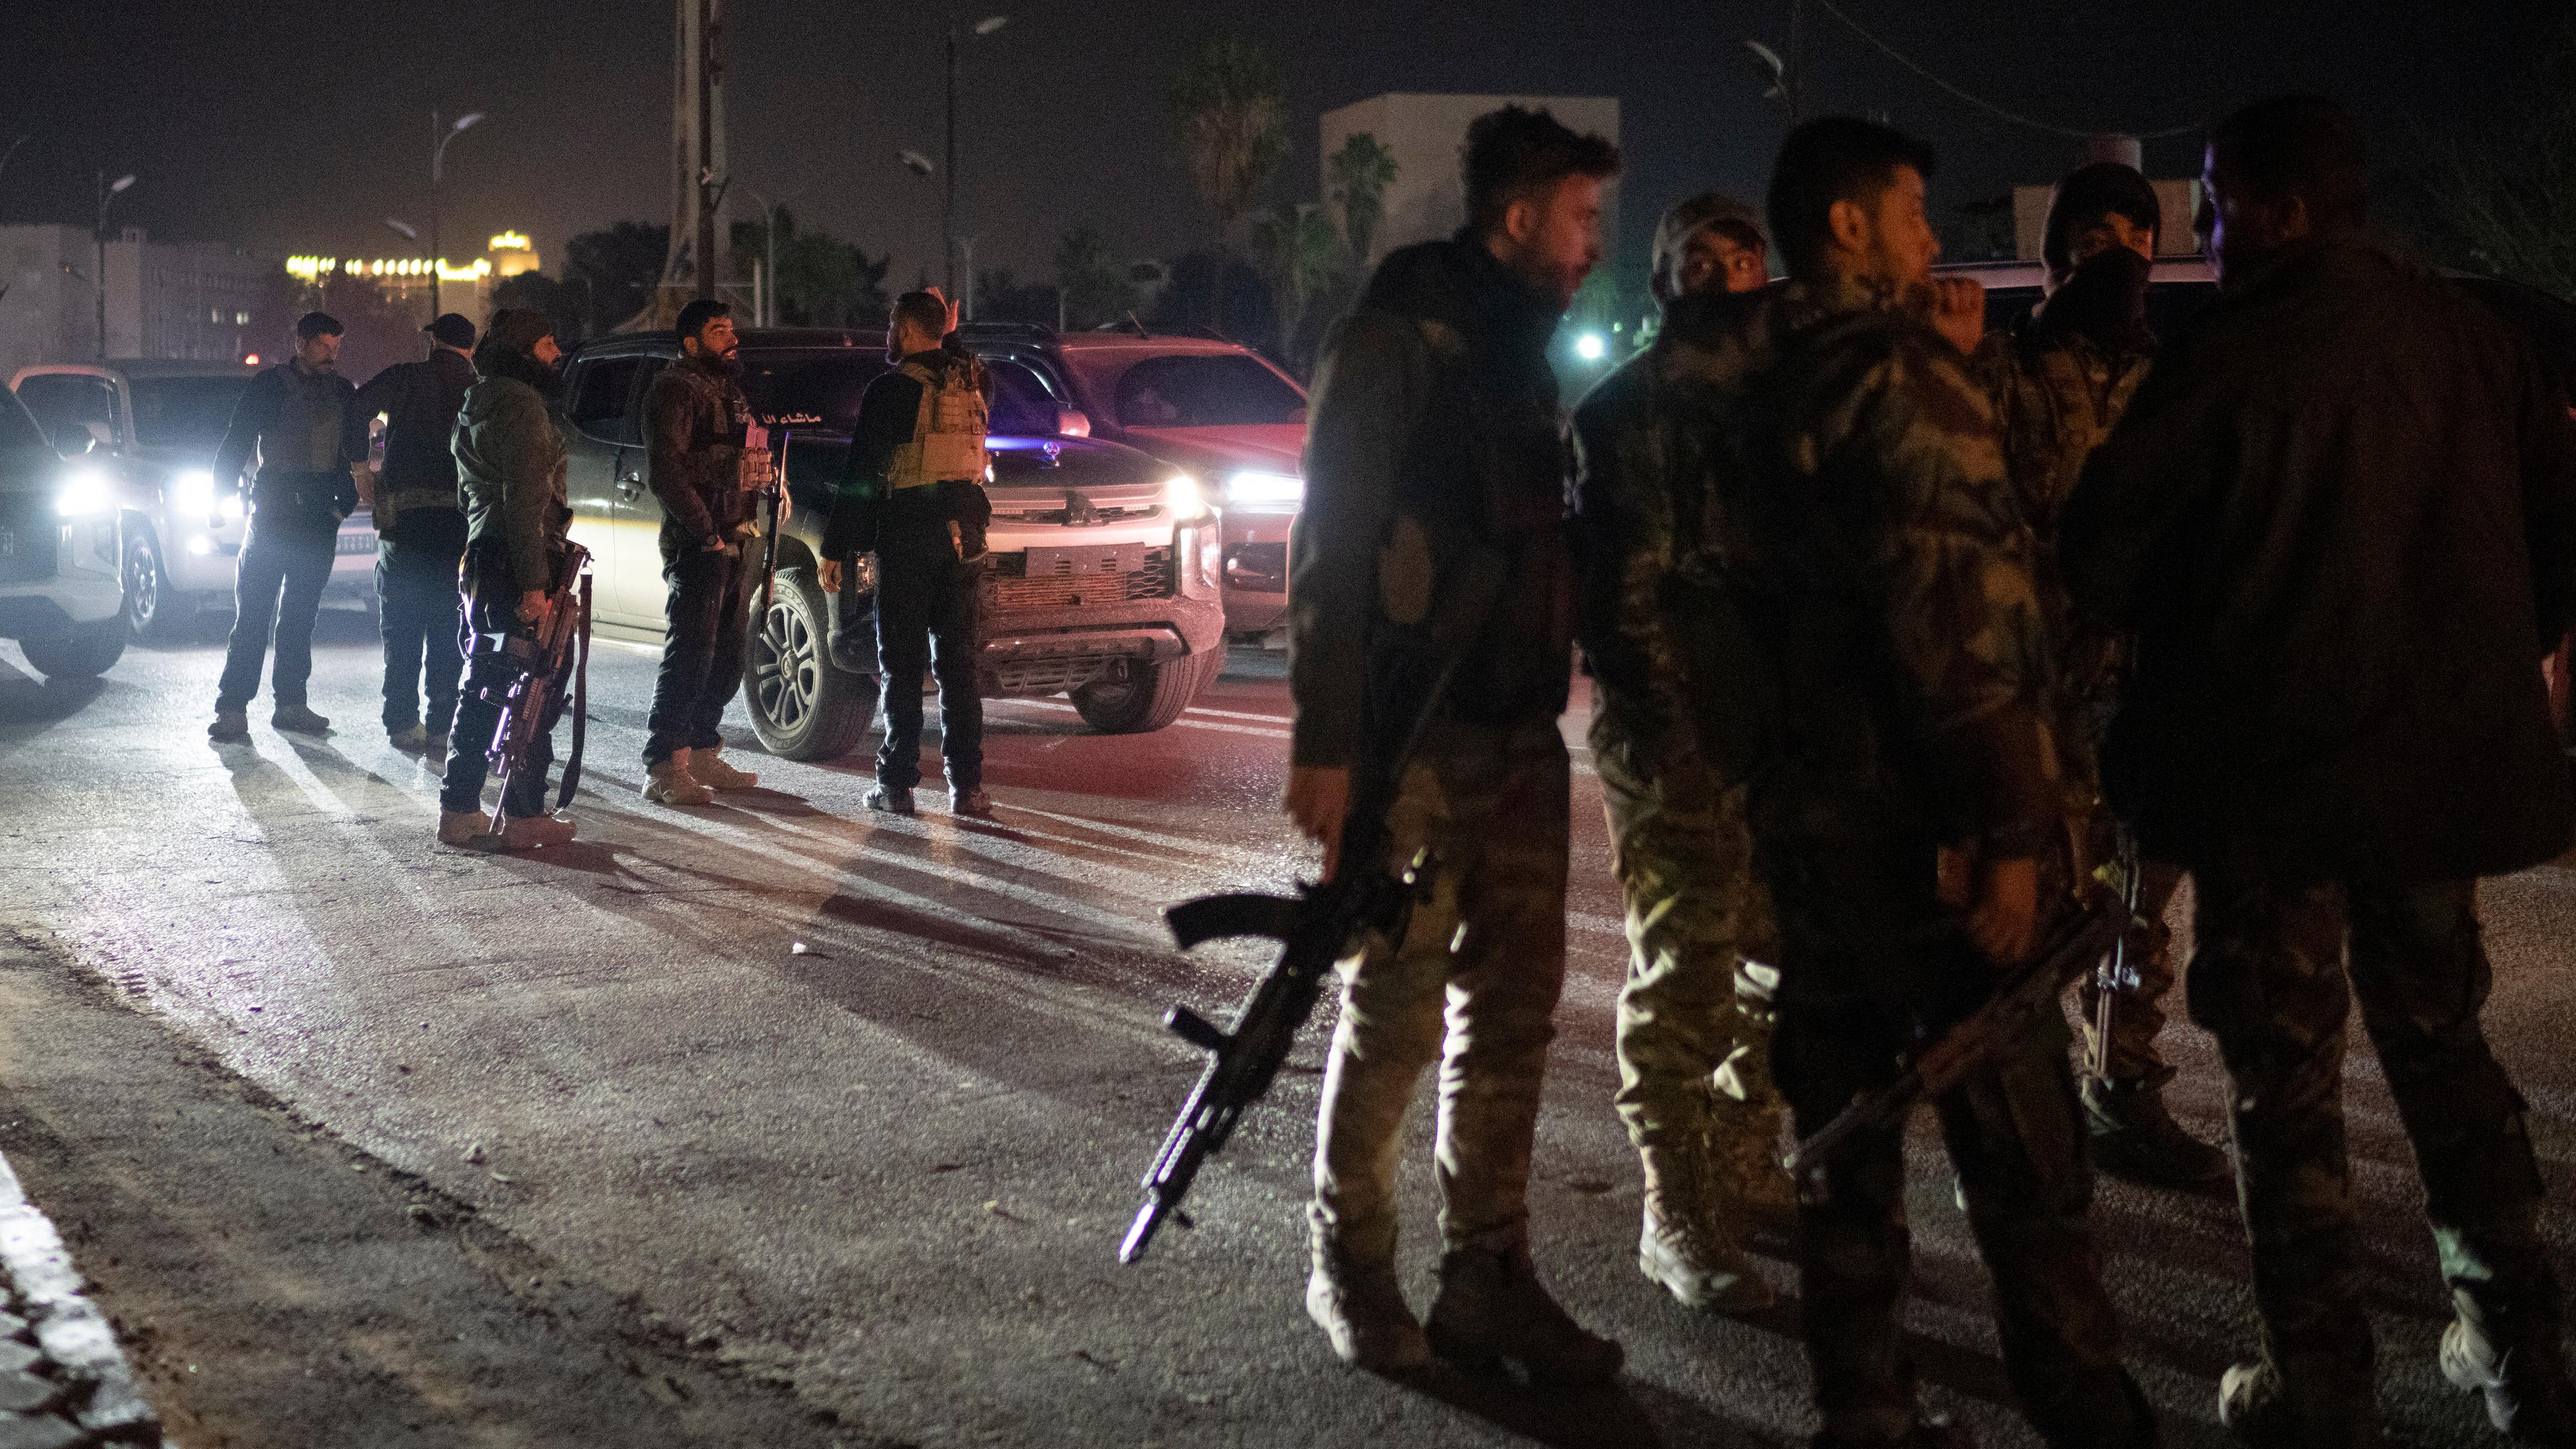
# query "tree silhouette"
(1356, 179)
(1300, 256)
(1228, 104)
(1095, 285)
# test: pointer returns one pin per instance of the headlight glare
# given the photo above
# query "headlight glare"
(1253, 488)
(1182, 496)
(193, 492)
(84, 492)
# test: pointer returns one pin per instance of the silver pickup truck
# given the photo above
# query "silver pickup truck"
(1104, 580)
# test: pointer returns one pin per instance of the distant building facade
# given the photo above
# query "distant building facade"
(2177, 199)
(1426, 134)
(194, 300)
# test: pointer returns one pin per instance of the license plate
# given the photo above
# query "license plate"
(357, 543)
(1085, 560)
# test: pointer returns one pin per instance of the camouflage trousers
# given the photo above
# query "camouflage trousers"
(2272, 981)
(2137, 1014)
(1472, 985)
(1695, 1017)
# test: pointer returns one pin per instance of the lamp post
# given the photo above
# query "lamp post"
(948, 201)
(440, 135)
(413, 232)
(767, 297)
(107, 192)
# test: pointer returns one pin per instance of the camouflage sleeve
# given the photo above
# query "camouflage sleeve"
(1370, 388)
(1946, 562)
(1623, 530)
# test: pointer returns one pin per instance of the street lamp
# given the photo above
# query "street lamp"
(107, 192)
(923, 167)
(439, 137)
(413, 232)
(766, 297)
(948, 202)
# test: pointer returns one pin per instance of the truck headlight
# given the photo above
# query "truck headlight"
(1182, 496)
(1266, 492)
(84, 492)
(192, 492)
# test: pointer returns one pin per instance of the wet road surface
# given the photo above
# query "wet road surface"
(852, 1107)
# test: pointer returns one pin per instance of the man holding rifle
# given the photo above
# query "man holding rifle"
(510, 471)
(1438, 440)
(1906, 807)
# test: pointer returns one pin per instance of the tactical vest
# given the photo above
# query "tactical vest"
(948, 436)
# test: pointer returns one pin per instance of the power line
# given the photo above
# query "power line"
(1980, 102)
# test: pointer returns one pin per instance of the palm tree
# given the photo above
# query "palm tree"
(1300, 256)
(1358, 175)
(1227, 104)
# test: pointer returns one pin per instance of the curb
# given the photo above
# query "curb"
(64, 1381)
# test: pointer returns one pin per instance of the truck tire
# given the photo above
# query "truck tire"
(1150, 697)
(153, 613)
(803, 706)
(84, 653)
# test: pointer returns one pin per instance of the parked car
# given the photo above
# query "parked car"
(59, 596)
(1103, 583)
(151, 427)
(2177, 287)
(1215, 408)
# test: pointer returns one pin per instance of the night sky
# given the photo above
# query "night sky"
(293, 127)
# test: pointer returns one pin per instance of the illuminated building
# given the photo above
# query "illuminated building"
(464, 287)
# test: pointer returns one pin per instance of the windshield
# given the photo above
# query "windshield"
(183, 412)
(17, 428)
(1196, 390)
(809, 389)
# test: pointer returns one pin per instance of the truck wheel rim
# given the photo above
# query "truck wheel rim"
(142, 587)
(787, 672)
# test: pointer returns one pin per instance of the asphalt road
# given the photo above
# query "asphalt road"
(801, 1125)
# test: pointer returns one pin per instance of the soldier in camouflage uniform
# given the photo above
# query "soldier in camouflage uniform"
(1694, 1023)
(2059, 383)
(2341, 518)
(1882, 568)
(1436, 472)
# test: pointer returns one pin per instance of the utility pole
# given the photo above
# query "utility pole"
(439, 135)
(1795, 80)
(948, 195)
(710, 186)
(98, 280)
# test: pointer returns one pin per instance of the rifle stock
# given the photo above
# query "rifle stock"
(1949, 1057)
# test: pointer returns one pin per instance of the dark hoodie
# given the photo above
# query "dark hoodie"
(510, 466)
(1435, 425)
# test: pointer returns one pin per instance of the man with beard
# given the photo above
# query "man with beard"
(2340, 517)
(696, 420)
(912, 493)
(1905, 802)
(1434, 525)
(1694, 1023)
(2059, 384)
(510, 474)
(420, 533)
(302, 417)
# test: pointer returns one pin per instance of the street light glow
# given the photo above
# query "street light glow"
(1591, 347)
(119, 184)
(463, 121)
(991, 23)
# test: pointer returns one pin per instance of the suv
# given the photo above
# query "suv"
(153, 426)
(1104, 564)
(58, 591)
(1215, 408)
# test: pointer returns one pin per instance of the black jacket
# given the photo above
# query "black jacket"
(308, 431)
(419, 400)
(2340, 516)
(695, 420)
(1436, 434)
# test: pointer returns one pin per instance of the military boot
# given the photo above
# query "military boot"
(1492, 1311)
(2256, 1410)
(2526, 1388)
(466, 830)
(709, 768)
(2134, 1138)
(1356, 1300)
(670, 783)
(300, 720)
(1744, 1155)
(230, 725)
(1688, 1246)
(535, 832)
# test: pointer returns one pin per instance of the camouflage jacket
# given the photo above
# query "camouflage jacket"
(1887, 573)
(2057, 395)
(1652, 543)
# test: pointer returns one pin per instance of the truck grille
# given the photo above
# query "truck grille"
(27, 529)
(1065, 586)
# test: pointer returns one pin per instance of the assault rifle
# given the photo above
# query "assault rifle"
(773, 495)
(2117, 973)
(1945, 1060)
(528, 701)
(1314, 928)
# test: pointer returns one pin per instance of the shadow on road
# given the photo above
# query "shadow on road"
(1624, 1415)
(25, 699)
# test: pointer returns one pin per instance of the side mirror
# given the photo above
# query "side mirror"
(74, 439)
(1072, 423)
